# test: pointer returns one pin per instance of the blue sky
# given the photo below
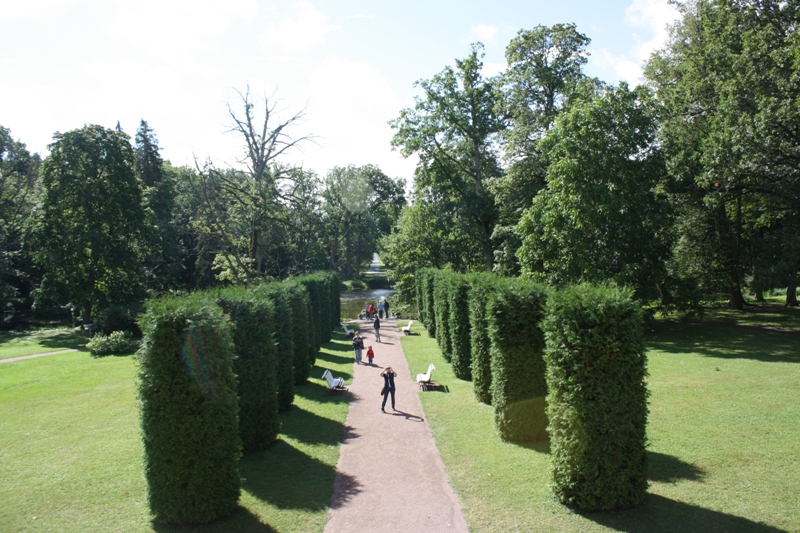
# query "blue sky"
(351, 64)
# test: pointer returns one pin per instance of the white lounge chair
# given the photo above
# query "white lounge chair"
(347, 331)
(333, 383)
(407, 328)
(425, 379)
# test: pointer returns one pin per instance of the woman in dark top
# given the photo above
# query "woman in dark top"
(388, 387)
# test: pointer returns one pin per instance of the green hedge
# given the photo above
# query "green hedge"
(301, 321)
(188, 407)
(481, 286)
(461, 355)
(441, 303)
(254, 365)
(428, 277)
(515, 311)
(312, 285)
(418, 296)
(597, 401)
(326, 312)
(278, 294)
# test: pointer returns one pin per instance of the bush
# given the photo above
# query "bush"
(597, 404)
(187, 397)
(515, 311)
(302, 348)
(254, 365)
(277, 294)
(481, 286)
(428, 277)
(119, 342)
(326, 312)
(312, 285)
(459, 326)
(118, 318)
(441, 304)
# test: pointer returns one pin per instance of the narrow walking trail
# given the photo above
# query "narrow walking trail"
(35, 355)
(389, 477)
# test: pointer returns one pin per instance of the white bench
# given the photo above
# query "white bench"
(425, 379)
(333, 383)
(407, 328)
(347, 331)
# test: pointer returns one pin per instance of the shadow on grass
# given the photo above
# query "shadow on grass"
(541, 446)
(287, 478)
(668, 469)
(241, 521)
(320, 393)
(726, 343)
(311, 428)
(661, 515)
(336, 347)
(49, 340)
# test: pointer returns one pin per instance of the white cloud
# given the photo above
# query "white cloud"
(16, 10)
(624, 68)
(484, 33)
(300, 33)
(359, 16)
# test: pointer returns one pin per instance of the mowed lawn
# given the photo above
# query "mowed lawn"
(18, 344)
(724, 432)
(70, 452)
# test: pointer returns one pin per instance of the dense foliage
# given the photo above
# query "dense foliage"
(279, 295)
(442, 281)
(189, 407)
(481, 286)
(461, 352)
(597, 397)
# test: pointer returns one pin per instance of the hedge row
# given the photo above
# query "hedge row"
(586, 380)
(215, 369)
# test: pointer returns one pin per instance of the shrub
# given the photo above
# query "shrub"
(312, 285)
(119, 342)
(428, 276)
(118, 318)
(515, 311)
(254, 365)
(277, 294)
(326, 312)
(301, 331)
(459, 326)
(419, 291)
(597, 404)
(187, 393)
(441, 304)
(481, 285)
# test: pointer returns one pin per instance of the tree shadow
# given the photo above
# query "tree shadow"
(345, 488)
(287, 478)
(726, 342)
(658, 514)
(241, 520)
(539, 446)
(665, 468)
(50, 341)
(311, 428)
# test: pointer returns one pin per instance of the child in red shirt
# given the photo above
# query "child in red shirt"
(370, 355)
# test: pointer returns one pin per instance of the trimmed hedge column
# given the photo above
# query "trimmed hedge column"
(254, 365)
(278, 294)
(481, 286)
(515, 313)
(459, 326)
(428, 277)
(188, 403)
(597, 404)
(301, 331)
(312, 283)
(441, 303)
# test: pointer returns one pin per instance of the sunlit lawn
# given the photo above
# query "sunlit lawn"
(724, 440)
(17, 344)
(70, 454)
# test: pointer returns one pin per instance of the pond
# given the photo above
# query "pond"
(353, 301)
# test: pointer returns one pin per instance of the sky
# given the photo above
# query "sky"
(348, 65)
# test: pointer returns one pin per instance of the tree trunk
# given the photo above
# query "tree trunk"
(737, 300)
(791, 291)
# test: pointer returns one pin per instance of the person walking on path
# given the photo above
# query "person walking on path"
(370, 355)
(380, 309)
(386, 308)
(388, 386)
(358, 345)
(377, 326)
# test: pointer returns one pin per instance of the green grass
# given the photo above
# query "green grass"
(724, 440)
(17, 344)
(70, 454)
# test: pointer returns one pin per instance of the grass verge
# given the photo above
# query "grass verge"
(724, 442)
(70, 454)
(14, 344)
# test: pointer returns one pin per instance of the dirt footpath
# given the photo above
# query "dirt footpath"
(389, 477)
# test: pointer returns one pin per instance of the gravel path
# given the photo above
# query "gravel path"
(389, 477)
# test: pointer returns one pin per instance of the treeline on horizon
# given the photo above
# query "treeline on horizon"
(684, 188)
(101, 223)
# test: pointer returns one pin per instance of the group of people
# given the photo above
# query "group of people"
(388, 374)
(380, 310)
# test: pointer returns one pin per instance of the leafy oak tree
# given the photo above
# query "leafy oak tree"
(91, 232)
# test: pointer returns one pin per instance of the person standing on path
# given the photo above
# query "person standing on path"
(380, 309)
(388, 387)
(386, 308)
(358, 345)
(377, 326)
(370, 355)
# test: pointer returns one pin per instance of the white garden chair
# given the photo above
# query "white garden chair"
(425, 379)
(347, 331)
(407, 328)
(333, 383)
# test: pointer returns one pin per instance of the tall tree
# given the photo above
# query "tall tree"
(19, 181)
(602, 215)
(728, 78)
(453, 130)
(90, 232)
